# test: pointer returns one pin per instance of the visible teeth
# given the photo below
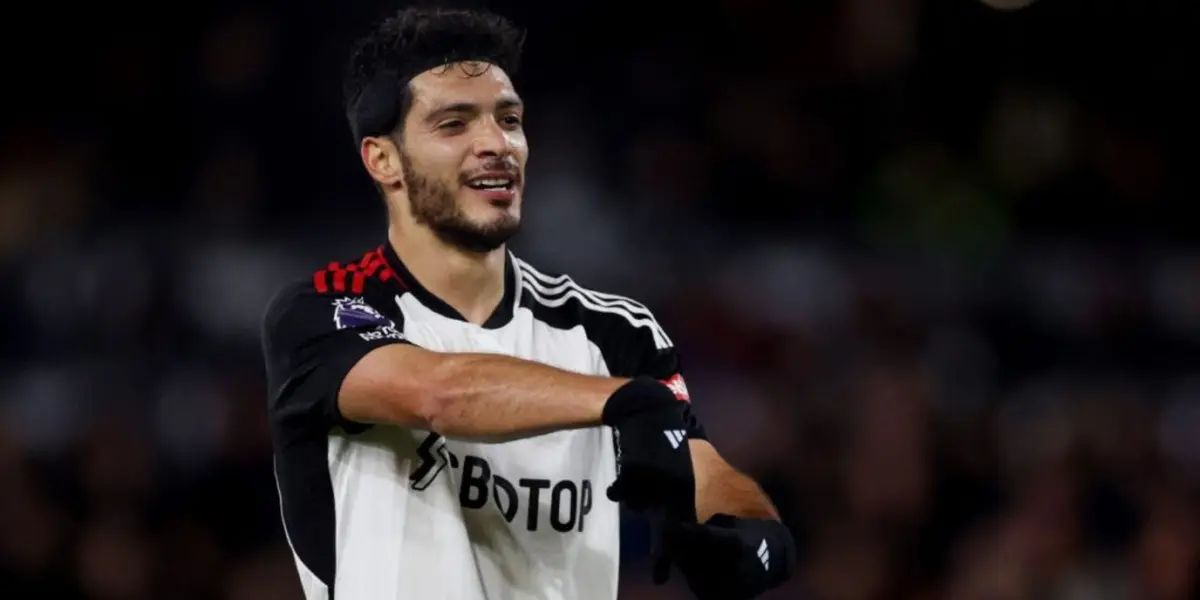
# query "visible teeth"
(490, 183)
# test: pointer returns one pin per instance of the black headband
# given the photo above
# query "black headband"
(376, 110)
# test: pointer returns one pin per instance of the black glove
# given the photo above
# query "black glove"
(654, 464)
(726, 558)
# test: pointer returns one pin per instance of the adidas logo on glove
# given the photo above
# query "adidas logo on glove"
(675, 436)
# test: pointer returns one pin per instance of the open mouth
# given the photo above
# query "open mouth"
(492, 184)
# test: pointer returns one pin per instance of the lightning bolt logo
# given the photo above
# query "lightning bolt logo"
(434, 457)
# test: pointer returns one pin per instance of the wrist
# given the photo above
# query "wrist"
(770, 541)
(634, 396)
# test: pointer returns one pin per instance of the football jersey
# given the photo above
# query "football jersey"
(381, 512)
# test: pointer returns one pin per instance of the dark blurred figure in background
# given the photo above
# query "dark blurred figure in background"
(932, 264)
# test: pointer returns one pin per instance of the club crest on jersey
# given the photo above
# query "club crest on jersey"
(349, 313)
(675, 382)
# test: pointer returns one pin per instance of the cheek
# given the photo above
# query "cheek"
(519, 146)
(447, 173)
(439, 163)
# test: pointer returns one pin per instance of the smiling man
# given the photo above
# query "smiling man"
(450, 422)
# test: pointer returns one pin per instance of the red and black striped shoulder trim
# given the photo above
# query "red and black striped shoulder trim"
(352, 277)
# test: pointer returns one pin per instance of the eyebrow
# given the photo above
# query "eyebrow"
(508, 102)
(505, 103)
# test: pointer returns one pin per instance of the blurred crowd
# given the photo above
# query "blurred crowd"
(928, 265)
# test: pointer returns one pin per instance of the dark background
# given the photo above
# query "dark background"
(931, 266)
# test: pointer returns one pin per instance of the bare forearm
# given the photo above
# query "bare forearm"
(494, 397)
(722, 489)
(737, 495)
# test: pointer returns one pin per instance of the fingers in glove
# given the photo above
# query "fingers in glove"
(628, 488)
(661, 572)
(679, 537)
(635, 490)
(694, 546)
(616, 491)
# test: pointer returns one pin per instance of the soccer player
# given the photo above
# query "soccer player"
(450, 422)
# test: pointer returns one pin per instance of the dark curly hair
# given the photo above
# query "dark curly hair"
(376, 92)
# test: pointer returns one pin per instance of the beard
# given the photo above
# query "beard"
(434, 205)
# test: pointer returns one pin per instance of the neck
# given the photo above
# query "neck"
(471, 283)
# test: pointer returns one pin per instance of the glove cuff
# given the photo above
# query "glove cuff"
(637, 395)
(772, 543)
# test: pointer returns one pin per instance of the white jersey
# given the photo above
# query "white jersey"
(388, 513)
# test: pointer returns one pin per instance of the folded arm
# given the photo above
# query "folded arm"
(352, 373)
(474, 396)
(722, 489)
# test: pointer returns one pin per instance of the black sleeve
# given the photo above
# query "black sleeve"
(310, 342)
(646, 350)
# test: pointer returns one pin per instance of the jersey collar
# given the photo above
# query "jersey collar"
(499, 318)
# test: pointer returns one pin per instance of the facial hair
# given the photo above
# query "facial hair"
(434, 205)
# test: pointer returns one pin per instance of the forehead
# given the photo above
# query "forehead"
(461, 82)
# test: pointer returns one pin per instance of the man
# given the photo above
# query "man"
(450, 422)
